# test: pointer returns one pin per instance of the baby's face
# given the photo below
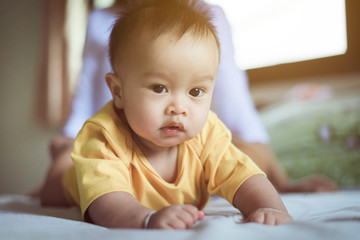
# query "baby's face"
(167, 86)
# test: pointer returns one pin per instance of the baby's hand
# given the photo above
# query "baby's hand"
(175, 217)
(269, 216)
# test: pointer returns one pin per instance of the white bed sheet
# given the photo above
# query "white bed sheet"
(317, 216)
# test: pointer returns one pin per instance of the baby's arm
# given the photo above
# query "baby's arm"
(258, 200)
(121, 210)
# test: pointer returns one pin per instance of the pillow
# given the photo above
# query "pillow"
(317, 137)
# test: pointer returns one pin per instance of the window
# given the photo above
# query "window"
(270, 32)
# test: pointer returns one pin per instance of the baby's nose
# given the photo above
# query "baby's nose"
(176, 108)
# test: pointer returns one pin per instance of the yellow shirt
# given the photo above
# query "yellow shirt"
(107, 160)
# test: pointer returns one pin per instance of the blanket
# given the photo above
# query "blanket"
(316, 216)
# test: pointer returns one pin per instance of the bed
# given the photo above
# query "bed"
(317, 216)
(328, 216)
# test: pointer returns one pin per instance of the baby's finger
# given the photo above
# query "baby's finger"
(201, 215)
(192, 210)
(269, 219)
(186, 219)
(256, 217)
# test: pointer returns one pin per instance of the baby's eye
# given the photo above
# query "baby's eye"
(159, 89)
(196, 92)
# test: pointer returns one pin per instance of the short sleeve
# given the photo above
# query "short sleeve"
(98, 169)
(226, 167)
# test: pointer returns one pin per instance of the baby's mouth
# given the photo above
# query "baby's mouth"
(173, 128)
(176, 125)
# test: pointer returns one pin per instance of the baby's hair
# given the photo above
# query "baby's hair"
(158, 17)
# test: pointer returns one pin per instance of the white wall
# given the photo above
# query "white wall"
(23, 141)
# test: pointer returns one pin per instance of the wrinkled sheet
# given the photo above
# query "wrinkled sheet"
(317, 216)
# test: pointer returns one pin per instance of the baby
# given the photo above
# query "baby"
(152, 156)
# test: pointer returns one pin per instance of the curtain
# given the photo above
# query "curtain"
(63, 39)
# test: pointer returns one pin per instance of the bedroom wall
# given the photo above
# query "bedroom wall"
(23, 143)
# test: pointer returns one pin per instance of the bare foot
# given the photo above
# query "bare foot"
(50, 192)
(58, 145)
(34, 193)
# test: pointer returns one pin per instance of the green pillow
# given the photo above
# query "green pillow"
(317, 137)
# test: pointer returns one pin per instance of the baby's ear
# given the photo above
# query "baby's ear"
(114, 84)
